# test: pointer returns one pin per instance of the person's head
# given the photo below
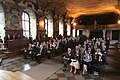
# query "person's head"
(89, 49)
(98, 50)
(41, 43)
(77, 52)
(69, 49)
(77, 48)
(86, 52)
(79, 45)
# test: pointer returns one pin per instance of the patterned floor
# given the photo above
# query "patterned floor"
(19, 64)
(61, 75)
(22, 65)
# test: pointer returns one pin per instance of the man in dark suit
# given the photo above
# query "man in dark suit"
(6, 40)
(67, 59)
(39, 55)
(1, 42)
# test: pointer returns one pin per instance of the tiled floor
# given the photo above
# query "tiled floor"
(45, 69)
(19, 64)
(61, 75)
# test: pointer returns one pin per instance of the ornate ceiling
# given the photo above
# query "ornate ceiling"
(75, 8)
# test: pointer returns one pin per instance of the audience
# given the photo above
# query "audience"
(79, 53)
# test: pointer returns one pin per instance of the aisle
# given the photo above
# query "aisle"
(112, 70)
(45, 69)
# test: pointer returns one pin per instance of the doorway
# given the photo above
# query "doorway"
(96, 34)
(115, 34)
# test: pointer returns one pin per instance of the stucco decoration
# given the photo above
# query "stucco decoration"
(13, 21)
(75, 8)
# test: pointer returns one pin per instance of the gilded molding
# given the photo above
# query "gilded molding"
(13, 20)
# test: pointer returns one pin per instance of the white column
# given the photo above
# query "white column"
(110, 35)
(87, 33)
(104, 31)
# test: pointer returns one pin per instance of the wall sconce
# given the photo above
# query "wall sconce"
(41, 24)
(118, 22)
(74, 24)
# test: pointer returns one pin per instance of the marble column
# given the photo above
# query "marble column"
(87, 33)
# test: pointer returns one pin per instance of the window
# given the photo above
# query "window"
(77, 32)
(49, 27)
(61, 26)
(33, 28)
(74, 32)
(29, 23)
(26, 24)
(68, 29)
(2, 23)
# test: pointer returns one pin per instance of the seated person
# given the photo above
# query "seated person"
(87, 58)
(97, 60)
(75, 61)
(97, 57)
(1, 43)
(67, 58)
(25, 53)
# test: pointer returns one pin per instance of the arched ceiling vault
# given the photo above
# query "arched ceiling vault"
(75, 8)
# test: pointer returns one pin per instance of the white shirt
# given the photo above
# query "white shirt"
(100, 57)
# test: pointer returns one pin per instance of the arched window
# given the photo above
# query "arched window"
(26, 24)
(2, 22)
(78, 32)
(33, 28)
(61, 26)
(29, 23)
(74, 32)
(50, 26)
(68, 29)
